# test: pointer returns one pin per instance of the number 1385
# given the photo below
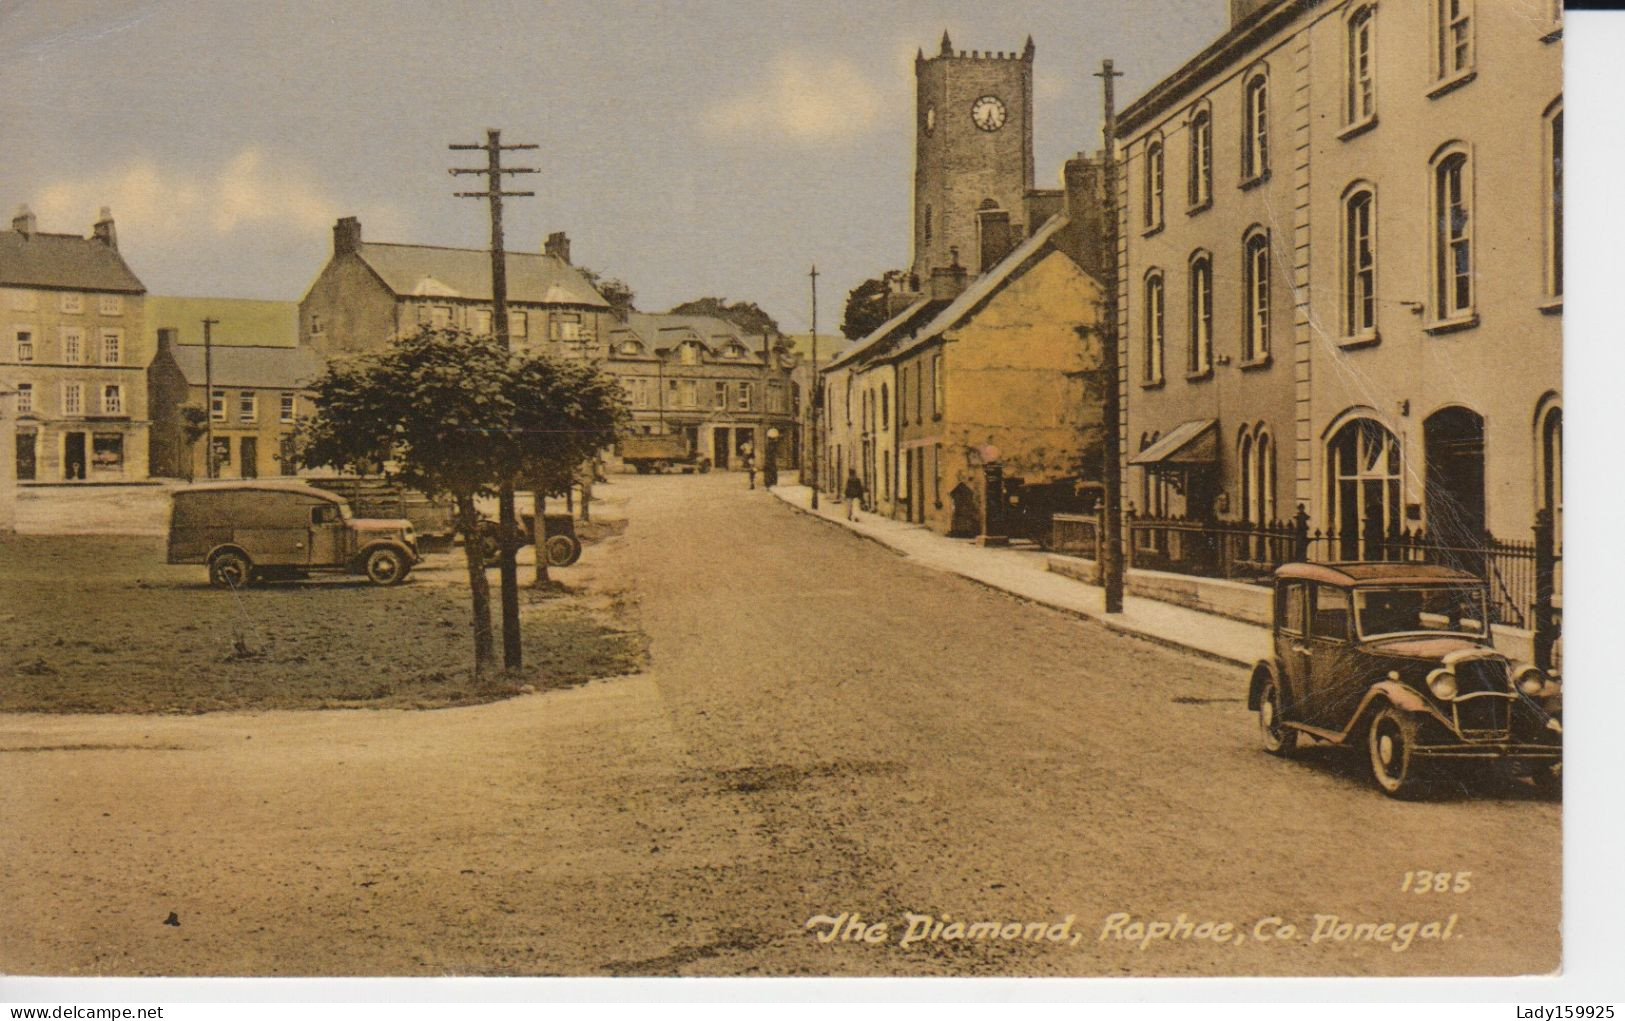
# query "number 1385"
(1423, 881)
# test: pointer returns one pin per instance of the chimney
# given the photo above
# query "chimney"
(347, 236)
(104, 231)
(1084, 181)
(948, 281)
(994, 236)
(23, 222)
(902, 290)
(166, 340)
(558, 246)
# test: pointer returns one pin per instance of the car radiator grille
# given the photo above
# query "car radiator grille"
(1483, 708)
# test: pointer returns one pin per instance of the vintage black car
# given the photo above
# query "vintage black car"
(1399, 656)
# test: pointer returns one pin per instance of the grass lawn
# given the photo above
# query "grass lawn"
(102, 624)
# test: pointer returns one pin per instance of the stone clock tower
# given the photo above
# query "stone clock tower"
(973, 150)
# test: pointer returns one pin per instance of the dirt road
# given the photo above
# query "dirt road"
(826, 729)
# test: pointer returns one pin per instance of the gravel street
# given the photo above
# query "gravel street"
(826, 728)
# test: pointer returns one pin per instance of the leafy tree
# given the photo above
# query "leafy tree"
(615, 291)
(194, 426)
(866, 306)
(747, 315)
(456, 415)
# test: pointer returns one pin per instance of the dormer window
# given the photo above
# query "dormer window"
(630, 347)
(689, 353)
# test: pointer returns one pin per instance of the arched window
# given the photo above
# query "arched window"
(1363, 476)
(1361, 102)
(1199, 353)
(1255, 116)
(1255, 297)
(1551, 469)
(1453, 234)
(1359, 263)
(1155, 321)
(1244, 475)
(1200, 185)
(1455, 37)
(1554, 199)
(1256, 483)
(1153, 184)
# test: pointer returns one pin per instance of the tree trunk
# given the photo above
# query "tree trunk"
(588, 477)
(539, 538)
(479, 586)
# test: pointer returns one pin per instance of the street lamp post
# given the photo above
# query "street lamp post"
(814, 390)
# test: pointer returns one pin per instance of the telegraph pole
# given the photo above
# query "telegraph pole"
(208, 397)
(814, 390)
(1111, 567)
(507, 520)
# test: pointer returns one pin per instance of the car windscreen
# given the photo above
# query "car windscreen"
(1434, 609)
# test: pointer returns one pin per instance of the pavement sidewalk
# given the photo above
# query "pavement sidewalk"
(1025, 573)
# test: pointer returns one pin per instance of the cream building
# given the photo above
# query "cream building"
(1341, 272)
(74, 351)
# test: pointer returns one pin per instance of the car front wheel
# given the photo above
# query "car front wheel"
(386, 567)
(1279, 739)
(1391, 742)
(230, 570)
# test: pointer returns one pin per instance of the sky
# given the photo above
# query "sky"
(691, 149)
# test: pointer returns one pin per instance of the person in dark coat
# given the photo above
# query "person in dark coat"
(854, 495)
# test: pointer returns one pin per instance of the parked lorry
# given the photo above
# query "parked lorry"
(249, 531)
(654, 453)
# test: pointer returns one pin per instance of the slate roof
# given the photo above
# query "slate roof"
(424, 270)
(713, 331)
(900, 327)
(64, 261)
(242, 321)
(270, 368)
(970, 300)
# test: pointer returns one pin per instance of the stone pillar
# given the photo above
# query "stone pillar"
(993, 529)
(8, 460)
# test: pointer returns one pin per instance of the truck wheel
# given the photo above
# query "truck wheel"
(386, 566)
(562, 551)
(230, 570)
(1391, 741)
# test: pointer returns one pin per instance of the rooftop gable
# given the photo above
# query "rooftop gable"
(64, 262)
(427, 271)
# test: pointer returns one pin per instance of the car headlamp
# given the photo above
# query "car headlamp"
(1443, 685)
(1530, 681)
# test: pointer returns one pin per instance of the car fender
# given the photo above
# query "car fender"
(1263, 670)
(366, 551)
(1397, 694)
(227, 547)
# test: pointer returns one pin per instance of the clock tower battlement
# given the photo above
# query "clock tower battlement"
(973, 148)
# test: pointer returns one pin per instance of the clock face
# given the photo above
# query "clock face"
(988, 113)
(930, 119)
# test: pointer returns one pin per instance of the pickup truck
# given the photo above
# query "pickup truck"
(654, 453)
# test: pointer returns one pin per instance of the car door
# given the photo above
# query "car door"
(326, 535)
(1291, 643)
(1330, 662)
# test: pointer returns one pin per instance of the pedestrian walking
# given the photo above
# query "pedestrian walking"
(854, 495)
(750, 469)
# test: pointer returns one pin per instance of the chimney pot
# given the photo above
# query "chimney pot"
(558, 246)
(23, 222)
(346, 236)
(104, 231)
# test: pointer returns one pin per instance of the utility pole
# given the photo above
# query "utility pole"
(814, 391)
(507, 520)
(208, 398)
(1111, 568)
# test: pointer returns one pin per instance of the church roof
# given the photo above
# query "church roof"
(64, 261)
(428, 271)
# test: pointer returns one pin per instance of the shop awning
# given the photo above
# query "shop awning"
(1186, 446)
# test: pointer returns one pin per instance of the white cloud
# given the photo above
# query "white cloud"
(249, 193)
(804, 99)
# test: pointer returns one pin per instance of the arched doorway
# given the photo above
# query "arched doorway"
(1551, 470)
(1453, 490)
(1363, 477)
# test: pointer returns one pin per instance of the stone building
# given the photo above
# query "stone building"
(990, 336)
(1341, 272)
(260, 393)
(74, 352)
(705, 378)
(368, 294)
